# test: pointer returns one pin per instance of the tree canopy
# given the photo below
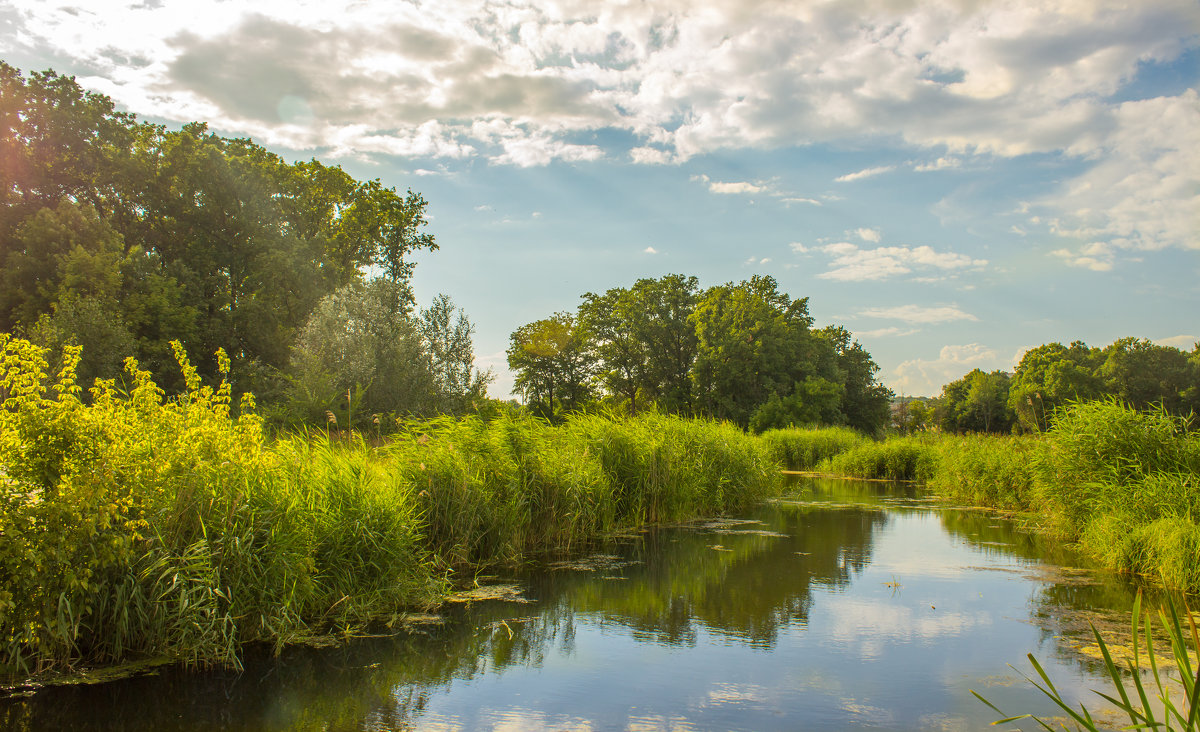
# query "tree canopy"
(1135, 371)
(741, 351)
(122, 232)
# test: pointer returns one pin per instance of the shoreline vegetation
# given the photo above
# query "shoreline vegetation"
(140, 526)
(1122, 484)
(136, 525)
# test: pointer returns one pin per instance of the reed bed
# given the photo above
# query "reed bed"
(899, 458)
(986, 470)
(133, 525)
(803, 449)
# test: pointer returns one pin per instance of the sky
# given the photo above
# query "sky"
(954, 182)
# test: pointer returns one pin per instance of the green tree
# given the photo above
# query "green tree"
(865, 403)
(614, 327)
(446, 333)
(978, 402)
(357, 356)
(669, 337)
(752, 342)
(217, 241)
(1049, 377)
(1142, 373)
(554, 366)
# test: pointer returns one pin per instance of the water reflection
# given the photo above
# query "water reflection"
(845, 604)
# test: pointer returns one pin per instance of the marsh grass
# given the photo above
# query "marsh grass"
(493, 492)
(1121, 483)
(986, 470)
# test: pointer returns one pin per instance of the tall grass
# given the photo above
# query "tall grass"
(491, 492)
(986, 470)
(1126, 485)
(135, 525)
(899, 458)
(803, 449)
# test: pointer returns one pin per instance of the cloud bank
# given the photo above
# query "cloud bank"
(527, 84)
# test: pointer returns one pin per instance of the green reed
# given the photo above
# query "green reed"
(898, 458)
(803, 449)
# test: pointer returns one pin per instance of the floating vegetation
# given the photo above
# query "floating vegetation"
(595, 563)
(500, 593)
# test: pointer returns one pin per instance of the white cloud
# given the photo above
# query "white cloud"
(650, 156)
(789, 200)
(757, 260)
(523, 83)
(731, 187)
(851, 264)
(735, 187)
(1143, 193)
(942, 163)
(918, 313)
(892, 331)
(1096, 256)
(927, 376)
(871, 235)
(865, 173)
(1184, 342)
(650, 250)
(798, 248)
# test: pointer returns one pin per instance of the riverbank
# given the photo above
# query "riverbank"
(136, 526)
(1123, 484)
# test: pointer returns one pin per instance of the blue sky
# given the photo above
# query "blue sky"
(953, 181)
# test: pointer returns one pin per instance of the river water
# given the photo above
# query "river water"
(843, 605)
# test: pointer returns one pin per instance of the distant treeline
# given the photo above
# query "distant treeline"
(743, 352)
(1135, 371)
(122, 236)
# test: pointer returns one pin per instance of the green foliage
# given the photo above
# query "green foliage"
(136, 525)
(1135, 371)
(553, 365)
(987, 470)
(804, 449)
(742, 351)
(176, 235)
(1123, 483)
(753, 342)
(978, 402)
(357, 340)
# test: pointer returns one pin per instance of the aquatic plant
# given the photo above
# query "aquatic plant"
(1171, 704)
(1122, 483)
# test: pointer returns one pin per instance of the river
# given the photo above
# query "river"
(842, 605)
